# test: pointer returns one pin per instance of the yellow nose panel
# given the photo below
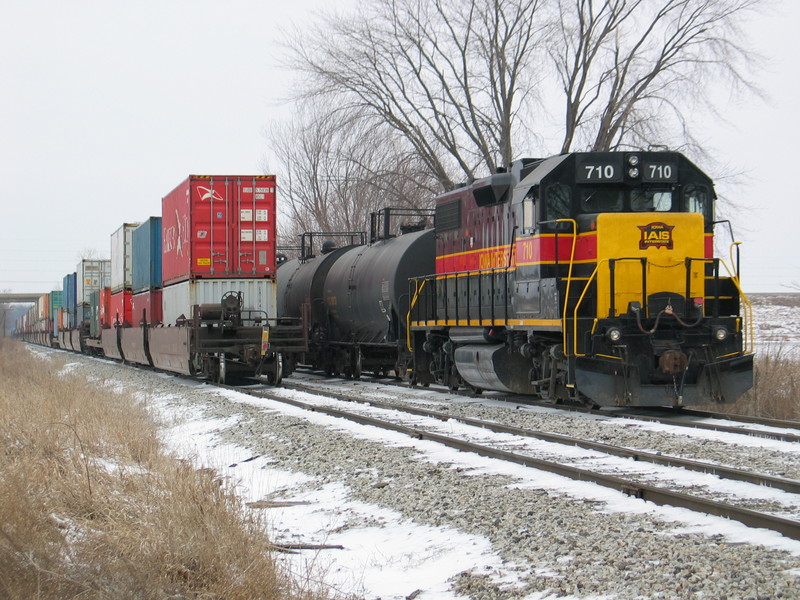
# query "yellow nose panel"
(664, 240)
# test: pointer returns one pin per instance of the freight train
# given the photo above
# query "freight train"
(191, 291)
(583, 277)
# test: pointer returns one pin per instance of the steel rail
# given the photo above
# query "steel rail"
(751, 518)
(783, 483)
(529, 401)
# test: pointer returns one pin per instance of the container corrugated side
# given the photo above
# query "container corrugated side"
(122, 257)
(220, 226)
(178, 298)
(44, 306)
(92, 275)
(147, 304)
(69, 288)
(121, 307)
(56, 300)
(105, 315)
(94, 308)
(146, 263)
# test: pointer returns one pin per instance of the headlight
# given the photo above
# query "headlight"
(720, 334)
(614, 334)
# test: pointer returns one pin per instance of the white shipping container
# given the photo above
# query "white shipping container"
(122, 258)
(92, 275)
(177, 299)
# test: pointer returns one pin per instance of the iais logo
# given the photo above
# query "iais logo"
(656, 235)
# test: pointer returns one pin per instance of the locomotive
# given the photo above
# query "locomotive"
(587, 277)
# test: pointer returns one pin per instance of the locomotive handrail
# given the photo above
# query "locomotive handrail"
(748, 318)
(412, 304)
(564, 312)
(749, 335)
(577, 306)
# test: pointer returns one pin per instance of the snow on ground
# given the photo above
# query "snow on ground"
(385, 555)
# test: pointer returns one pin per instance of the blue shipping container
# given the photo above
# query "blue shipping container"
(146, 262)
(70, 291)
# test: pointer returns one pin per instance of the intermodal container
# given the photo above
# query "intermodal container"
(122, 258)
(219, 227)
(83, 315)
(94, 311)
(91, 276)
(44, 306)
(147, 306)
(70, 289)
(258, 295)
(121, 307)
(146, 263)
(105, 316)
(56, 303)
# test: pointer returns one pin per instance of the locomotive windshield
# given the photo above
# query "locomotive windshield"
(651, 200)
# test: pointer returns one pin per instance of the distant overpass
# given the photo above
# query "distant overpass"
(9, 298)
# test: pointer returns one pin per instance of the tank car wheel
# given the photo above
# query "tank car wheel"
(275, 371)
(221, 370)
(355, 364)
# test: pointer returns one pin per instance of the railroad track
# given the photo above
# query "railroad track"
(628, 485)
(679, 417)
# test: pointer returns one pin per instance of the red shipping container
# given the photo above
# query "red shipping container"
(104, 308)
(121, 309)
(149, 302)
(220, 226)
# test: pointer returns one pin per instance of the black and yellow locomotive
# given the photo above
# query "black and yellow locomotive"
(584, 276)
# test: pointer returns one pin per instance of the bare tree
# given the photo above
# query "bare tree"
(338, 167)
(449, 76)
(466, 82)
(631, 70)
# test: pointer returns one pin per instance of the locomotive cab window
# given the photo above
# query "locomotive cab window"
(599, 200)
(651, 200)
(558, 204)
(529, 210)
(697, 200)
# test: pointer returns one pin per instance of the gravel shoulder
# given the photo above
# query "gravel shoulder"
(550, 543)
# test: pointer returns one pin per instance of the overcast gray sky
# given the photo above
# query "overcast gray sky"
(106, 106)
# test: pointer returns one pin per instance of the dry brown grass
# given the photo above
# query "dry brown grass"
(91, 507)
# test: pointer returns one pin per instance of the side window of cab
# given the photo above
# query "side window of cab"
(698, 199)
(529, 210)
(558, 202)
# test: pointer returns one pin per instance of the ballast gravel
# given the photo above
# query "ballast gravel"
(557, 545)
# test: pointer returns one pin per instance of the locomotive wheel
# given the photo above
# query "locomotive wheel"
(355, 364)
(453, 379)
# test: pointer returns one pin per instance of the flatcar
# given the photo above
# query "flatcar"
(209, 310)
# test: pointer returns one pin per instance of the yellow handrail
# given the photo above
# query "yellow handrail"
(578, 305)
(411, 306)
(569, 278)
(749, 336)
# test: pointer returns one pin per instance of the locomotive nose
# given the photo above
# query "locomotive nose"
(673, 362)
